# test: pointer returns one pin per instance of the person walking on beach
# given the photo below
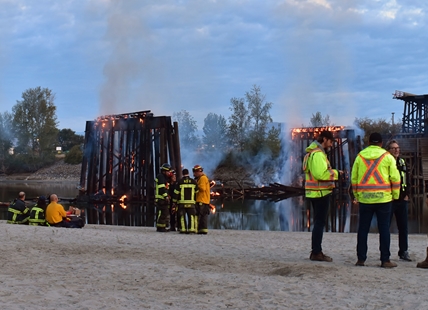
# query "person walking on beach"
(185, 196)
(18, 212)
(319, 186)
(400, 206)
(161, 197)
(203, 198)
(375, 183)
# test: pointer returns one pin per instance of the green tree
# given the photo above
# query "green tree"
(5, 139)
(317, 120)
(259, 116)
(215, 132)
(239, 122)
(187, 129)
(74, 156)
(35, 122)
(273, 140)
(67, 138)
(380, 125)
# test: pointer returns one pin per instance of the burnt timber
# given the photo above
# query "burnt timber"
(122, 155)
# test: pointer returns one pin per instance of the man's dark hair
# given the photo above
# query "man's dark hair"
(185, 172)
(325, 134)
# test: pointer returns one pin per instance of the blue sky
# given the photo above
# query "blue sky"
(341, 58)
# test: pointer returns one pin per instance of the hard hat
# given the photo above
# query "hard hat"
(166, 167)
(198, 168)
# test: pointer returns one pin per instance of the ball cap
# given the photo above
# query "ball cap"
(375, 137)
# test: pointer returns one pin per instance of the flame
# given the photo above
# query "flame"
(213, 209)
(316, 130)
(308, 222)
(215, 194)
(122, 201)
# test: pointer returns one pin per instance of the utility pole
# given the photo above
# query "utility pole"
(393, 118)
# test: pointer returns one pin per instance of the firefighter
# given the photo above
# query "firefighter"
(37, 213)
(185, 197)
(172, 204)
(161, 197)
(319, 186)
(375, 183)
(18, 212)
(202, 200)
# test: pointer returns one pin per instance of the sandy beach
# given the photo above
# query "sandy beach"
(116, 267)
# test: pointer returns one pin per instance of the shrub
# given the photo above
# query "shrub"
(74, 156)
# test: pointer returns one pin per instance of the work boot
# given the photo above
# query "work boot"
(388, 264)
(320, 257)
(359, 263)
(405, 256)
(423, 264)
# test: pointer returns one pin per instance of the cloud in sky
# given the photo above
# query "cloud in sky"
(342, 58)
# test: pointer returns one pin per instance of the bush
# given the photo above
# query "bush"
(24, 163)
(74, 156)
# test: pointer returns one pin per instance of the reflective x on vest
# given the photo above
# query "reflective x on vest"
(372, 172)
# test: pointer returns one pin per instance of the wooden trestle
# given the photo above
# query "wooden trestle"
(122, 155)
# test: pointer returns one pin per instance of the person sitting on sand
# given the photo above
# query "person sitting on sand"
(37, 213)
(18, 212)
(57, 216)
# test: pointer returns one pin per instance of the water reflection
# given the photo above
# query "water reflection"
(293, 214)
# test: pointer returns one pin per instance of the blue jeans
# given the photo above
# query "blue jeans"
(383, 214)
(320, 207)
(399, 209)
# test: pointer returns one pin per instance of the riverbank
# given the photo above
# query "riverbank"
(58, 172)
(116, 267)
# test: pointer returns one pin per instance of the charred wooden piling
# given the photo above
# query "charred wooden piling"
(122, 155)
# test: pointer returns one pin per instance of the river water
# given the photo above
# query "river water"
(293, 214)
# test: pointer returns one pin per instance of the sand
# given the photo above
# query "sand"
(116, 267)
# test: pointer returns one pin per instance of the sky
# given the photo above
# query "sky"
(343, 58)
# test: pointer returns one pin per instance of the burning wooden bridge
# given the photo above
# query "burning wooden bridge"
(122, 155)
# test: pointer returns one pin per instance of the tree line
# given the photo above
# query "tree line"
(29, 135)
(32, 130)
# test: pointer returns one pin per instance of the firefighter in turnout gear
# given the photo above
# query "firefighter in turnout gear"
(375, 184)
(185, 197)
(37, 213)
(319, 186)
(161, 197)
(18, 212)
(202, 200)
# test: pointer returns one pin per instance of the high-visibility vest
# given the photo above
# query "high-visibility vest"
(319, 176)
(375, 177)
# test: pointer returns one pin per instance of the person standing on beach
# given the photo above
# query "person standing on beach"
(203, 198)
(319, 186)
(18, 212)
(172, 205)
(185, 196)
(375, 183)
(161, 198)
(400, 206)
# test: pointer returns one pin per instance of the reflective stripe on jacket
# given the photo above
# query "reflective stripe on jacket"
(17, 213)
(185, 192)
(161, 188)
(319, 176)
(375, 177)
(37, 216)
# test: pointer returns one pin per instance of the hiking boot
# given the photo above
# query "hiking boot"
(359, 263)
(405, 256)
(388, 264)
(320, 257)
(162, 229)
(423, 264)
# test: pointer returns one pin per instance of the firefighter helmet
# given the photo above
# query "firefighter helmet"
(166, 167)
(198, 168)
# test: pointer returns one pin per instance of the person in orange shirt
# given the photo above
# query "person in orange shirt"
(56, 214)
(203, 198)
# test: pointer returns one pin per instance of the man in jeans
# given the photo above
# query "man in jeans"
(400, 206)
(375, 183)
(319, 186)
